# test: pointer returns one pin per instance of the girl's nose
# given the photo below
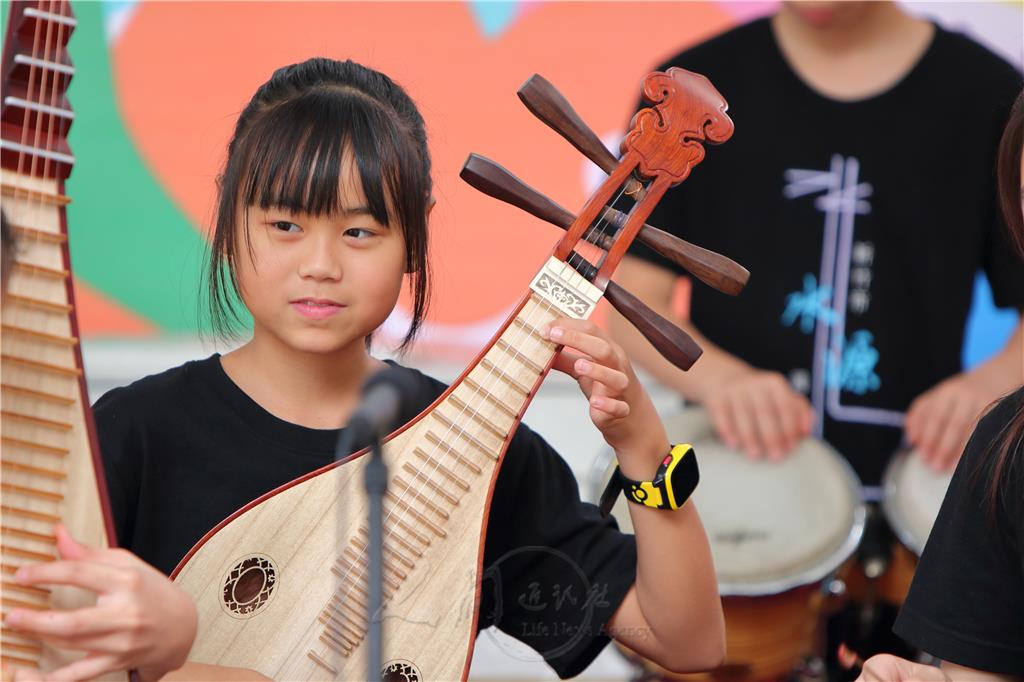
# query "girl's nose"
(319, 263)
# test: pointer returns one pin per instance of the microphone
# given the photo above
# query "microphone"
(378, 413)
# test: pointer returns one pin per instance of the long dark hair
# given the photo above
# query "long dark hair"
(1008, 444)
(287, 152)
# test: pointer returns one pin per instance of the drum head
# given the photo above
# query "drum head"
(912, 496)
(772, 525)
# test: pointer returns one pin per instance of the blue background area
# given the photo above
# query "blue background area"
(988, 327)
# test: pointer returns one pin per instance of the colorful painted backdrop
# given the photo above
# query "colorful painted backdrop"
(159, 85)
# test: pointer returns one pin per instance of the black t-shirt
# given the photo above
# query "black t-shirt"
(862, 224)
(185, 449)
(966, 604)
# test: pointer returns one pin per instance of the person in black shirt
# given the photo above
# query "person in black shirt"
(966, 603)
(322, 213)
(858, 190)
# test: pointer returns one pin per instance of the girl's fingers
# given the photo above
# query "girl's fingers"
(566, 361)
(23, 675)
(596, 347)
(609, 407)
(87, 668)
(614, 380)
(68, 547)
(88, 575)
(63, 625)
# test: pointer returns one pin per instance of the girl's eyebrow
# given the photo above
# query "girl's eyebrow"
(356, 210)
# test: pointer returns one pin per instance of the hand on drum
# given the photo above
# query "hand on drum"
(619, 405)
(941, 420)
(760, 413)
(141, 620)
(889, 668)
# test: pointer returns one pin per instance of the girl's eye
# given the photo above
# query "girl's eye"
(285, 226)
(358, 233)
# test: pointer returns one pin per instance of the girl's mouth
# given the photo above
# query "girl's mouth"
(315, 309)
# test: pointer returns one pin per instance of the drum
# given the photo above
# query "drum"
(912, 494)
(778, 532)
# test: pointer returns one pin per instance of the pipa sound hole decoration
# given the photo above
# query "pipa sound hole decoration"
(400, 671)
(249, 586)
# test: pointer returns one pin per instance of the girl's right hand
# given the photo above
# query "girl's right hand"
(758, 412)
(889, 668)
(141, 619)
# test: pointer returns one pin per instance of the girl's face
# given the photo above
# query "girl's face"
(319, 284)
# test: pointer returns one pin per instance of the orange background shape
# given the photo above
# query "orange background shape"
(98, 314)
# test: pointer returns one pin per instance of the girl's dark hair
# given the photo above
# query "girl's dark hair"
(287, 152)
(1008, 444)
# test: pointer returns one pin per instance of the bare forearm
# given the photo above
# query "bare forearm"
(676, 587)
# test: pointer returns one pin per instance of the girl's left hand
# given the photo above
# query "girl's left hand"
(141, 619)
(619, 405)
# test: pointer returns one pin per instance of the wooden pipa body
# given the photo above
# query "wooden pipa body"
(282, 585)
(49, 466)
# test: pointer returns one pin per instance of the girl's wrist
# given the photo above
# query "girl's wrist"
(641, 462)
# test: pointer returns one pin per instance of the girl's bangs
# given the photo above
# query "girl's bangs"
(299, 151)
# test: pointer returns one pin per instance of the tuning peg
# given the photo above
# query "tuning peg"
(712, 268)
(549, 105)
(673, 343)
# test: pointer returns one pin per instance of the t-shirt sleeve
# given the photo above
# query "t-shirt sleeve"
(120, 448)
(966, 603)
(555, 571)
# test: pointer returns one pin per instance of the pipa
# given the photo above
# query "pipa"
(49, 466)
(281, 586)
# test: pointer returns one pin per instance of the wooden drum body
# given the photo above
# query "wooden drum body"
(777, 531)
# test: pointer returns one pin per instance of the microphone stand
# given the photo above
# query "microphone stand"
(375, 481)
